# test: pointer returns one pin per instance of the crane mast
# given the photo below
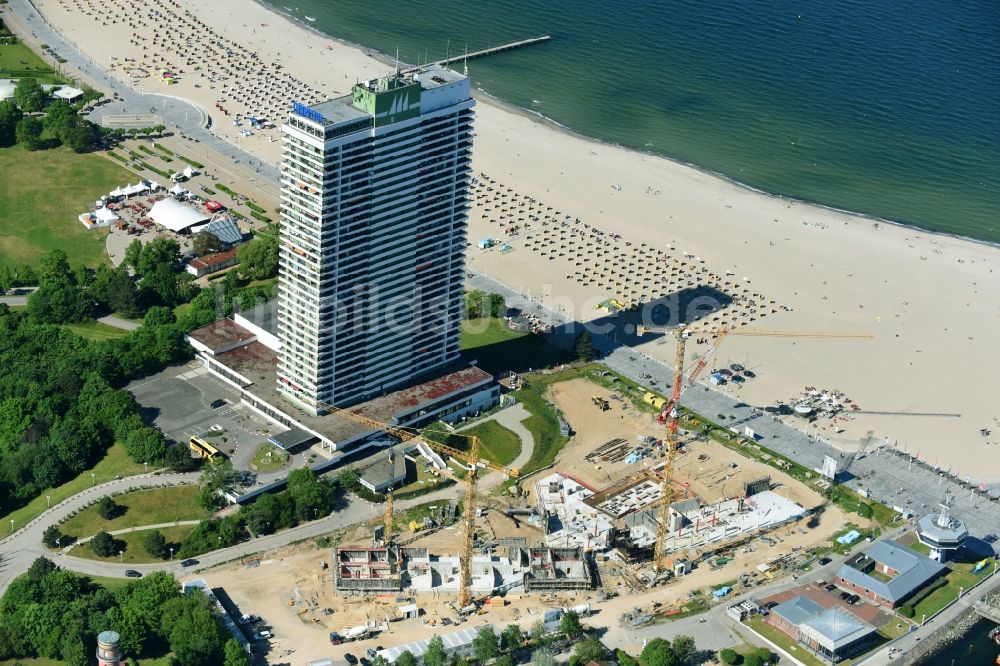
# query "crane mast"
(469, 510)
(670, 412)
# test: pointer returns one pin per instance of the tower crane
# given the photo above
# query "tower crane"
(470, 458)
(669, 414)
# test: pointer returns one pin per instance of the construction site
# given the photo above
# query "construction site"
(637, 518)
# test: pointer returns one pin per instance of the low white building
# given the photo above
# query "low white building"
(456, 644)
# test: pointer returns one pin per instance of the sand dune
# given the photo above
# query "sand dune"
(930, 301)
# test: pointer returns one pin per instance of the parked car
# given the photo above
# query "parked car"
(350, 658)
(132, 573)
(823, 561)
(831, 588)
(854, 598)
(262, 635)
(218, 403)
(844, 596)
(190, 562)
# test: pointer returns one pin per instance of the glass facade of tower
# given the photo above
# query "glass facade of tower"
(373, 237)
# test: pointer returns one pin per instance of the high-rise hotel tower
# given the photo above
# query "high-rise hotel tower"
(373, 236)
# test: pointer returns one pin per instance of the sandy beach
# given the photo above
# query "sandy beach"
(597, 222)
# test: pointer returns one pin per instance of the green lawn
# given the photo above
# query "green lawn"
(41, 195)
(543, 424)
(95, 330)
(783, 641)
(262, 462)
(115, 464)
(139, 508)
(19, 61)
(499, 350)
(134, 552)
(959, 577)
(499, 445)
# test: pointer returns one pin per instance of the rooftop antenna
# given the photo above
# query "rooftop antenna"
(465, 61)
(397, 61)
(447, 52)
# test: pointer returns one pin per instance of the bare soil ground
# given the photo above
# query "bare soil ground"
(712, 470)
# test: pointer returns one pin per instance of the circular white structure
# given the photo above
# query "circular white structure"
(943, 533)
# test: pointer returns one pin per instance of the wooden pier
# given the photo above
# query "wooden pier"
(488, 51)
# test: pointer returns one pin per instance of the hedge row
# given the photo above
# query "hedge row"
(196, 165)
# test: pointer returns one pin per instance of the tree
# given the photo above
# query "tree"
(132, 254)
(497, 305)
(51, 535)
(235, 655)
(258, 258)
(684, 648)
(312, 498)
(435, 654)
(486, 644)
(584, 346)
(161, 285)
(406, 658)
(179, 459)
(159, 251)
(53, 269)
(570, 625)
(543, 657)
(58, 117)
(512, 637)
(155, 544)
(29, 95)
(658, 652)
(10, 115)
(104, 545)
(205, 242)
(538, 632)
(590, 649)
(122, 294)
(107, 508)
(145, 444)
(81, 135)
(28, 133)
(728, 656)
(765, 654)
(752, 660)
(504, 660)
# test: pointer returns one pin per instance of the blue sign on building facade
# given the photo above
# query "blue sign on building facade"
(300, 109)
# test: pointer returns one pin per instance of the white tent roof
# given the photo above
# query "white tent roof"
(117, 192)
(177, 189)
(7, 89)
(105, 215)
(174, 215)
(190, 173)
(68, 93)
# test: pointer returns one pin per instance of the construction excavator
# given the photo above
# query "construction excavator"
(670, 413)
(471, 458)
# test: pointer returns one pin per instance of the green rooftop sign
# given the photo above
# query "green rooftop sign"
(389, 100)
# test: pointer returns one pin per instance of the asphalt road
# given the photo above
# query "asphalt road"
(19, 550)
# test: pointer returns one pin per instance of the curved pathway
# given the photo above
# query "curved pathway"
(512, 418)
(19, 550)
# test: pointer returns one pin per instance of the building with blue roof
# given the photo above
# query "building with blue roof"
(833, 634)
(888, 573)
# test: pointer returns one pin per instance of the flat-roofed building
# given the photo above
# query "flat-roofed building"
(373, 233)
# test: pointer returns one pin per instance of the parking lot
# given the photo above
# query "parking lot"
(180, 399)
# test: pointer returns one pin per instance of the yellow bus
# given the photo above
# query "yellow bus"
(203, 449)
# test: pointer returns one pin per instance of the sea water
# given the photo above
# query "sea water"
(882, 107)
